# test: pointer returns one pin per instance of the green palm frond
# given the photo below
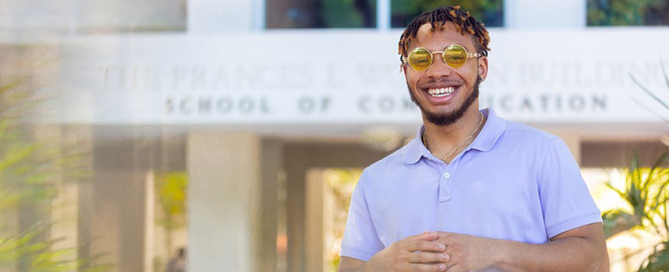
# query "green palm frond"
(644, 193)
(647, 195)
(658, 260)
(617, 221)
(31, 173)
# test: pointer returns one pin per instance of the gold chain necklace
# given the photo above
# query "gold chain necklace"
(462, 143)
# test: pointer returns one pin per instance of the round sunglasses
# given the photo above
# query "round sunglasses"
(455, 55)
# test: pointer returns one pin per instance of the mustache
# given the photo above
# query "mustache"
(442, 81)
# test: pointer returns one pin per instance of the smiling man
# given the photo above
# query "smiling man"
(472, 191)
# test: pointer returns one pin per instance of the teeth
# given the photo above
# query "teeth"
(439, 92)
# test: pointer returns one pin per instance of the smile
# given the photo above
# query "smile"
(440, 92)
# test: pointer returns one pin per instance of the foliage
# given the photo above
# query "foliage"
(44, 259)
(31, 174)
(321, 14)
(490, 12)
(656, 98)
(172, 190)
(658, 260)
(649, 212)
(646, 196)
(349, 13)
(340, 184)
(362, 13)
(627, 12)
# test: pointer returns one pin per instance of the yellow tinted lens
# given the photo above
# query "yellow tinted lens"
(455, 55)
(420, 59)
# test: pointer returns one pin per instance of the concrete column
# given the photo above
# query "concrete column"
(229, 223)
(117, 224)
(82, 137)
(117, 230)
(104, 233)
(271, 163)
(296, 168)
(84, 222)
(149, 221)
(302, 219)
(315, 231)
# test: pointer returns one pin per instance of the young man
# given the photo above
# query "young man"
(472, 191)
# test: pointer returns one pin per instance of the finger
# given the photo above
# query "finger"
(425, 236)
(428, 257)
(419, 245)
(442, 235)
(427, 267)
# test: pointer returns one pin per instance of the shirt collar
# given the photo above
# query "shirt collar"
(494, 128)
(416, 148)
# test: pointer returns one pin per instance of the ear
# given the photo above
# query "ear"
(483, 68)
(403, 66)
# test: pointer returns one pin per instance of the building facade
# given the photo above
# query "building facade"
(252, 109)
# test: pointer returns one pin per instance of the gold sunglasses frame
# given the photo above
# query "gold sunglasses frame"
(405, 59)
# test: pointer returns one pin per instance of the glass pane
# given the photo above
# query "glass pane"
(628, 12)
(490, 12)
(321, 13)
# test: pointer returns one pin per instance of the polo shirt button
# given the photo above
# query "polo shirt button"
(447, 175)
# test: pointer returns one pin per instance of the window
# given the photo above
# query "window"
(628, 12)
(490, 12)
(320, 14)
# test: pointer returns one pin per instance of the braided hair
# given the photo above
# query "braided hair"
(437, 18)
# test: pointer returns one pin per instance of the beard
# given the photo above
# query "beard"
(445, 119)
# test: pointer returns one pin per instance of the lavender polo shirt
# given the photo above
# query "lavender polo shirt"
(512, 182)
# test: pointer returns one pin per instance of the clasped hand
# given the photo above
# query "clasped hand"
(436, 251)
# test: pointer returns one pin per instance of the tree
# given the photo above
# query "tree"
(172, 191)
(31, 173)
(490, 12)
(627, 12)
(646, 196)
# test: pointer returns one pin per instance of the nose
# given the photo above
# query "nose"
(438, 69)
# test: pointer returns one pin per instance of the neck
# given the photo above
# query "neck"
(442, 140)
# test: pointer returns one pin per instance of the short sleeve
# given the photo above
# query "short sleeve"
(565, 199)
(361, 240)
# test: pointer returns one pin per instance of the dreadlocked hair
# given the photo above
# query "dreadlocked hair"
(437, 18)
